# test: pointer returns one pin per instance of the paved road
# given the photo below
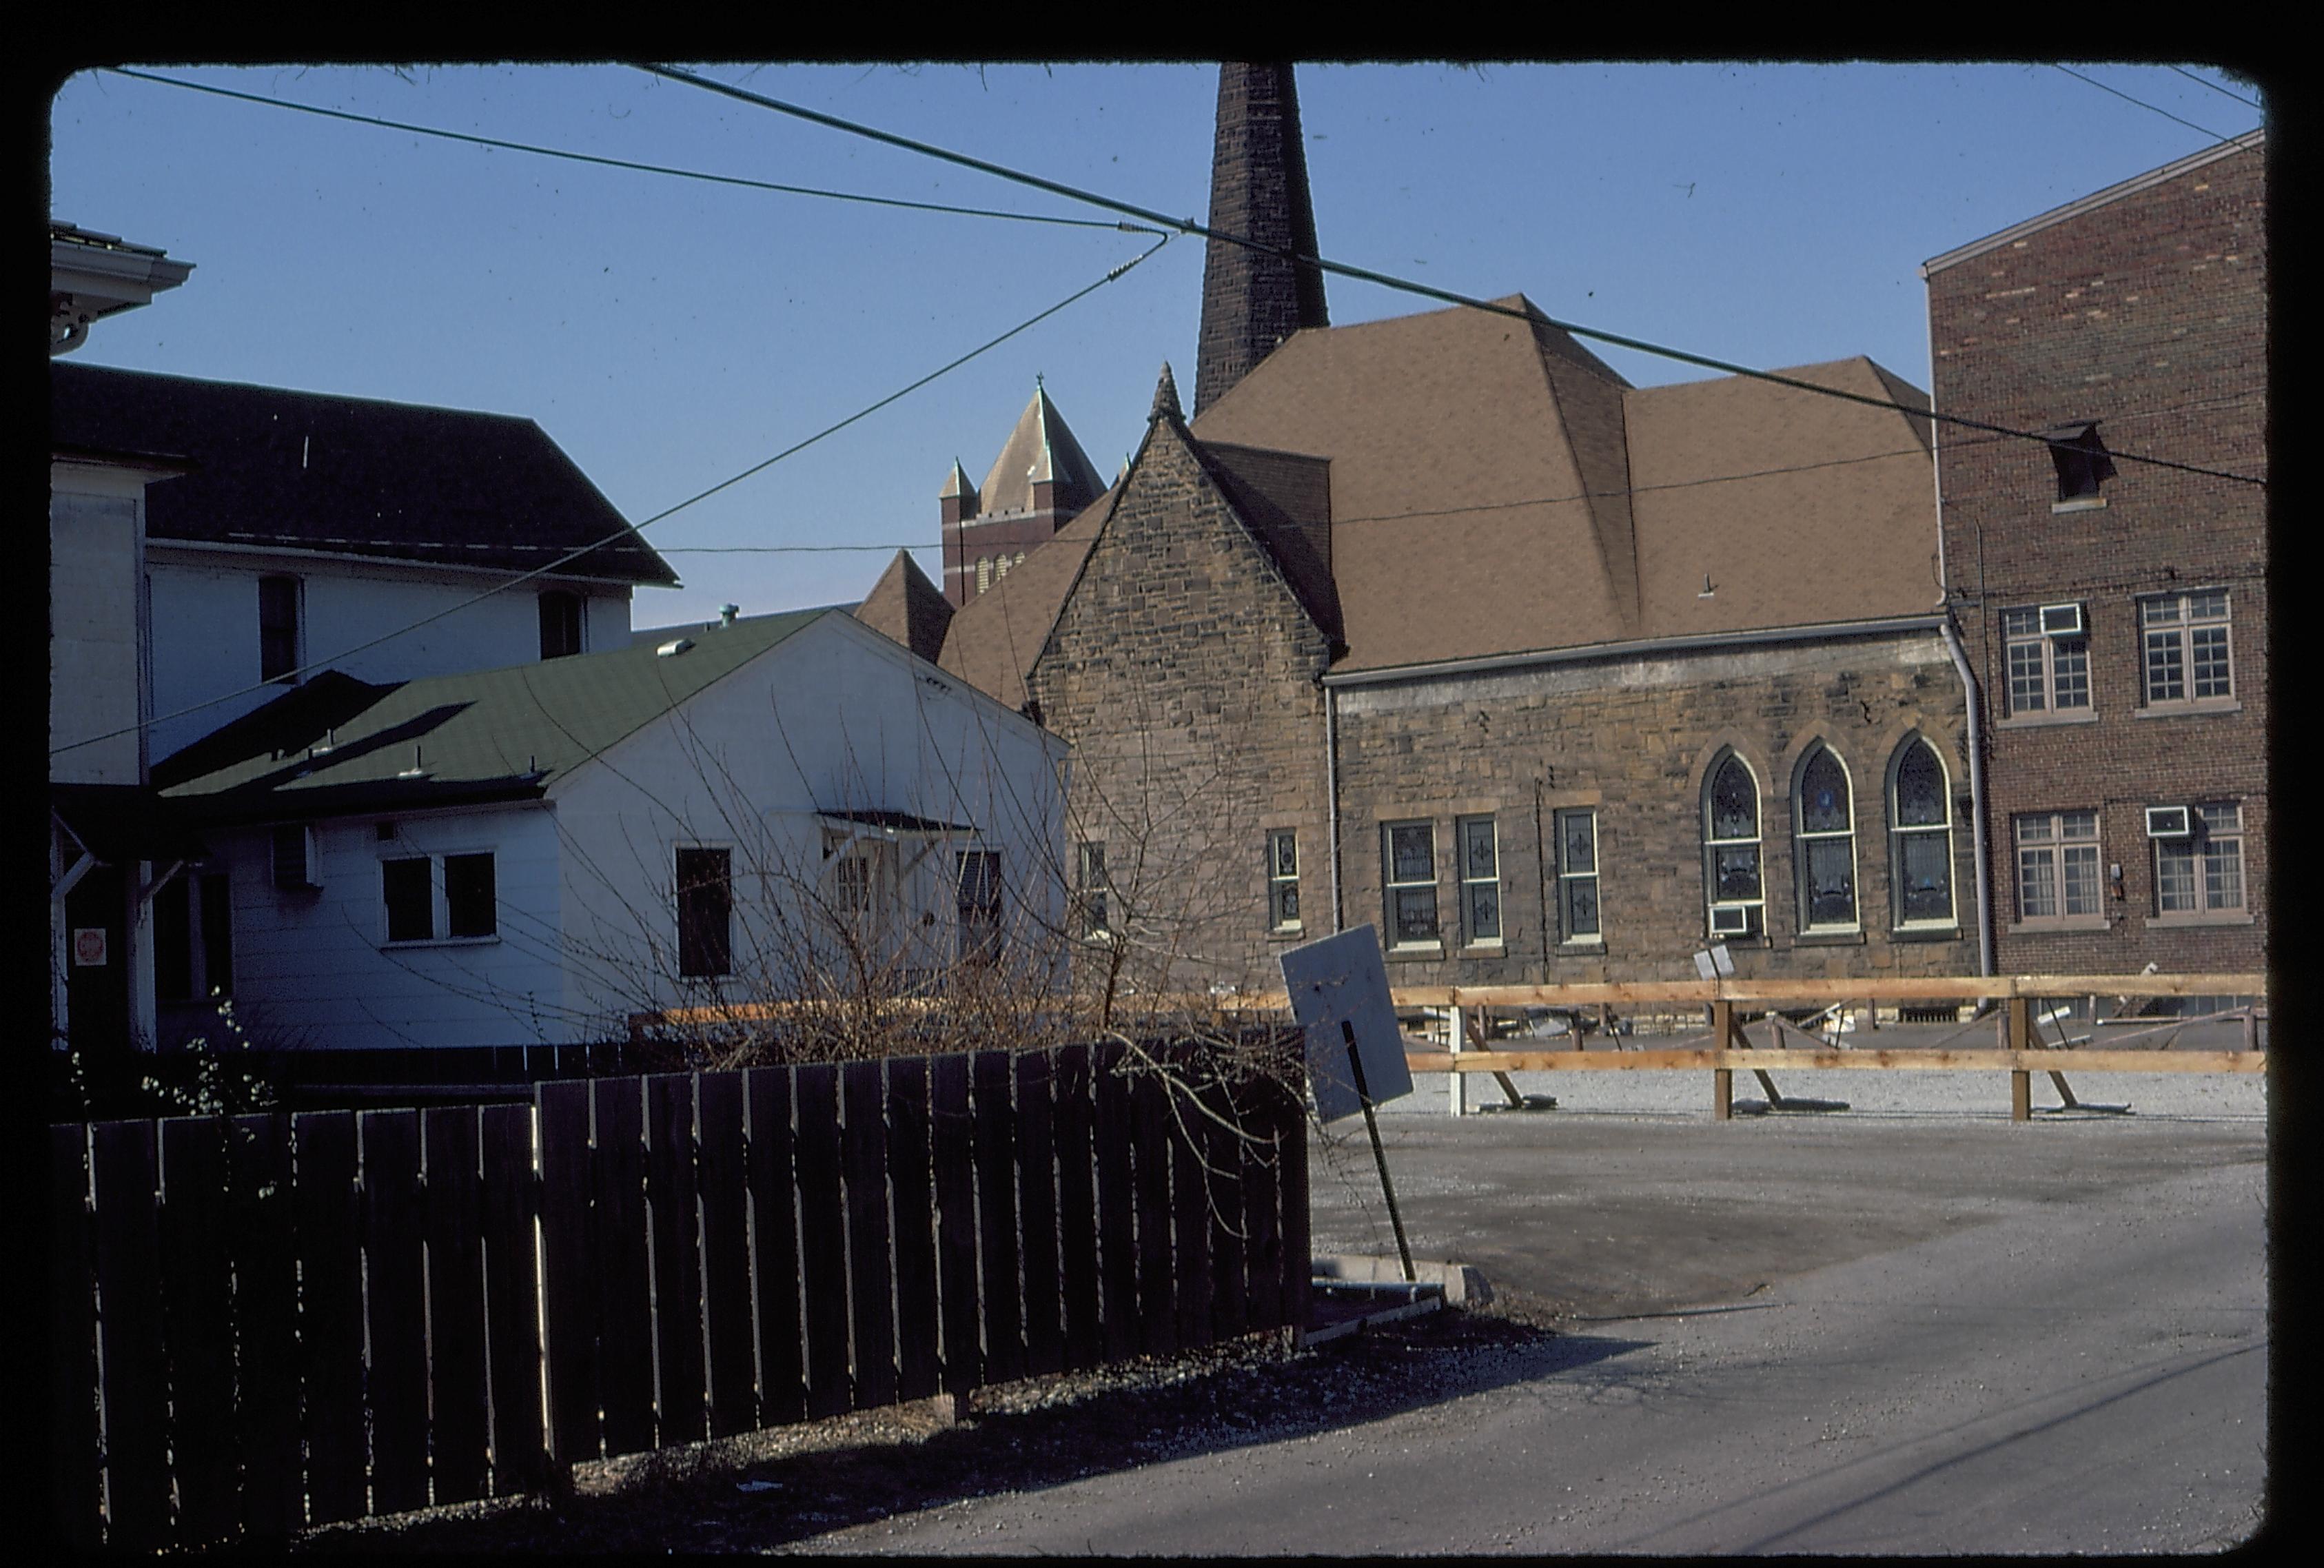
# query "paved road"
(1986, 1338)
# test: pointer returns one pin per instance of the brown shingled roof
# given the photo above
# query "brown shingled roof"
(995, 637)
(906, 607)
(1040, 448)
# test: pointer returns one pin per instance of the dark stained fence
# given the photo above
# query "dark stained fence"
(266, 1322)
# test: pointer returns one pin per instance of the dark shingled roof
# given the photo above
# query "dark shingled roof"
(492, 735)
(353, 476)
(906, 607)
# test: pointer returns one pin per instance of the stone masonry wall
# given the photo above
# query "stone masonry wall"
(2148, 314)
(1634, 740)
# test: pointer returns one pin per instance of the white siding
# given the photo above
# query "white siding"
(94, 664)
(205, 610)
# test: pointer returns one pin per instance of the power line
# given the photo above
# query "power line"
(632, 530)
(626, 163)
(2142, 103)
(1406, 285)
(2215, 88)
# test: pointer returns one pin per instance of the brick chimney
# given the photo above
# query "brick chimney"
(1252, 299)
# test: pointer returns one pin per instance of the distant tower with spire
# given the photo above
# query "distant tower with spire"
(1036, 485)
(1253, 300)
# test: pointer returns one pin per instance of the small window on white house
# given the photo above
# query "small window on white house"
(1283, 880)
(1480, 882)
(278, 627)
(560, 623)
(977, 884)
(471, 904)
(851, 884)
(705, 911)
(1408, 866)
(1577, 875)
(407, 885)
(431, 896)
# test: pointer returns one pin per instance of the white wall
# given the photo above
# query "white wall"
(838, 717)
(312, 970)
(204, 616)
(95, 668)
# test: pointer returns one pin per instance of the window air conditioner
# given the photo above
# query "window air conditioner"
(2062, 620)
(1731, 920)
(2168, 821)
(297, 867)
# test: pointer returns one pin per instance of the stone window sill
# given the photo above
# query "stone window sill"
(2044, 719)
(2188, 710)
(2061, 923)
(1928, 933)
(2079, 503)
(1829, 939)
(1583, 944)
(1484, 950)
(1416, 951)
(2203, 918)
(1285, 933)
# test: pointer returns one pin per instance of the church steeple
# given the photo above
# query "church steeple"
(1253, 300)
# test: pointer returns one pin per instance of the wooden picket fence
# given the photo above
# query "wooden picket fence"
(270, 1321)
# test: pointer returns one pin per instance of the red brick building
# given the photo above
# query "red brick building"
(2113, 611)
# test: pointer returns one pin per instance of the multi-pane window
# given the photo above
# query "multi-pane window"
(1480, 881)
(1577, 875)
(278, 627)
(560, 623)
(1921, 834)
(851, 884)
(1824, 812)
(1090, 890)
(193, 938)
(2046, 673)
(2204, 868)
(977, 884)
(2185, 640)
(1408, 866)
(705, 911)
(1730, 849)
(1283, 880)
(2058, 865)
(460, 900)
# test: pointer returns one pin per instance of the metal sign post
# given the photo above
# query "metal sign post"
(1380, 1155)
(1355, 1052)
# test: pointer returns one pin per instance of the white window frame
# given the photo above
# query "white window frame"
(1570, 880)
(1755, 906)
(2175, 640)
(1900, 831)
(1803, 839)
(1472, 884)
(2214, 874)
(439, 898)
(2059, 666)
(2055, 841)
(1391, 887)
(1283, 880)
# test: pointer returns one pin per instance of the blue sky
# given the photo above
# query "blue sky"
(668, 333)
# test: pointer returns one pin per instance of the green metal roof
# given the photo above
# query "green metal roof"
(341, 744)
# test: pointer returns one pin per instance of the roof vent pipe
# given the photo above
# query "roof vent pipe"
(726, 613)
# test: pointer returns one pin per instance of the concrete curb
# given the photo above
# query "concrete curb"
(1384, 1295)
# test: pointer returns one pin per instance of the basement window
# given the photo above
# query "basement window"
(2083, 463)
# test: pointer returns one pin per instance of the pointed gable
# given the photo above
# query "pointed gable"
(1041, 451)
(906, 607)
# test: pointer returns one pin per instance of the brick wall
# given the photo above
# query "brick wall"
(1633, 741)
(2147, 313)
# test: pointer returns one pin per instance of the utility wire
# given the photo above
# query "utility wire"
(626, 163)
(2215, 88)
(632, 530)
(1189, 226)
(2142, 103)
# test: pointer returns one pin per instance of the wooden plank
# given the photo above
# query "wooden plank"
(520, 1451)
(1116, 1209)
(459, 1394)
(1291, 1151)
(774, 1247)
(394, 1309)
(136, 1361)
(1262, 1192)
(919, 1371)
(871, 1253)
(823, 1240)
(1980, 1060)
(1077, 1217)
(723, 1175)
(1036, 1211)
(568, 1272)
(996, 1218)
(625, 1346)
(198, 1313)
(1224, 1154)
(266, 1325)
(952, 1145)
(76, 1478)
(1149, 1143)
(681, 1392)
(329, 1235)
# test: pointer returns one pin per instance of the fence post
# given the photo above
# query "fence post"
(1454, 1039)
(1722, 1079)
(2020, 1024)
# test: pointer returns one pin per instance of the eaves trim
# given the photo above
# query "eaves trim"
(1638, 648)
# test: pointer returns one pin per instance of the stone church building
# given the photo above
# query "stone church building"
(1437, 623)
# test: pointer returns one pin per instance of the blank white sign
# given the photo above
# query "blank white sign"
(1342, 981)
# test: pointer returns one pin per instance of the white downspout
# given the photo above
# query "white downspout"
(1331, 793)
(1976, 703)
